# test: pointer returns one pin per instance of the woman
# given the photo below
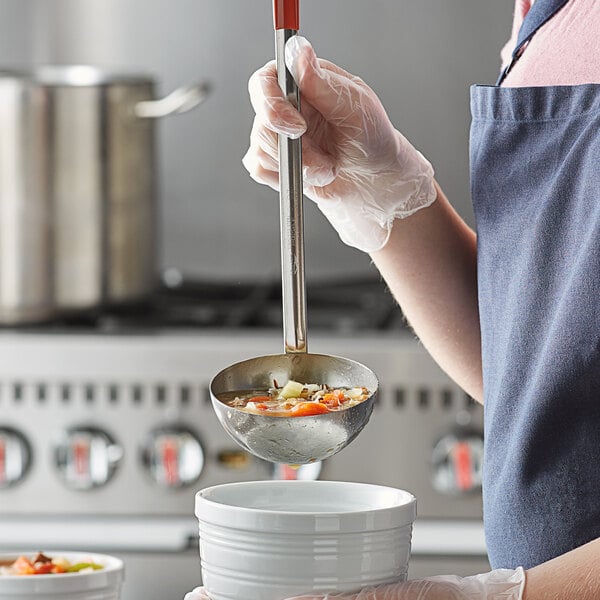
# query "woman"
(512, 313)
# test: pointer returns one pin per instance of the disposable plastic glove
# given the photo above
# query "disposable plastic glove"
(501, 584)
(357, 167)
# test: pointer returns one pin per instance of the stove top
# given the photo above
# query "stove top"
(347, 306)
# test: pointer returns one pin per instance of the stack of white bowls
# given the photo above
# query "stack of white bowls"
(103, 584)
(270, 540)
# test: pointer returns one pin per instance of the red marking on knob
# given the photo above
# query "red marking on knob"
(81, 457)
(287, 14)
(464, 467)
(170, 459)
(288, 473)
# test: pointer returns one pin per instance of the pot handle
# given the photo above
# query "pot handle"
(178, 101)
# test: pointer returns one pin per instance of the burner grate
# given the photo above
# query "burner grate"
(344, 307)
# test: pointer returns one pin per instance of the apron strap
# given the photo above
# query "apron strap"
(541, 12)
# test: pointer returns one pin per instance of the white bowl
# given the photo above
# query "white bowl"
(104, 584)
(270, 540)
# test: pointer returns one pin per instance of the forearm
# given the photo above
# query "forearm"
(430, 266)
(575, 575)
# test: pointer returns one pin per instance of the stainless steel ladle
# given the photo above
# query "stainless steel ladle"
(292, 440)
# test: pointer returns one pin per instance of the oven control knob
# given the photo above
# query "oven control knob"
(173, 456)
(15, 457)
(458, 463)
(87, 458)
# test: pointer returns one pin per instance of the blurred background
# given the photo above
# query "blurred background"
(420, 57)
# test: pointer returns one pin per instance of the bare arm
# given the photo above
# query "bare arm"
(429, 264)
(575, 575)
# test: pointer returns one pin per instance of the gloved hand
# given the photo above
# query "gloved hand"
(501, 584)
(361, 172)
(198, 593)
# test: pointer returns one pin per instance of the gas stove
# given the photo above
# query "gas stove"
(115, 405)
(107, 429)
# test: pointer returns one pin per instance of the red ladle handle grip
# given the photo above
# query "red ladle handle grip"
(287, 14)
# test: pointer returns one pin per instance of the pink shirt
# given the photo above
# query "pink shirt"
(564, 51)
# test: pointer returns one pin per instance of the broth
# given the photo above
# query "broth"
(295, 399)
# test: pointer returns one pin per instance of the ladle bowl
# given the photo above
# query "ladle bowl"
(293, 440)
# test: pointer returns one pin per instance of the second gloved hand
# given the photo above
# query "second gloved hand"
(501, 584)
(362, 173)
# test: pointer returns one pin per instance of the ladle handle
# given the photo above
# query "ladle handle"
(290, 196)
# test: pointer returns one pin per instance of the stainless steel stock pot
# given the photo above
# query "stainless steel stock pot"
(78, 189)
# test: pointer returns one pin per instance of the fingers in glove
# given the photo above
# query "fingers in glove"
(197, 594)
(260, 174)
(409, 590)
(382, 592)
(261, 160)
(318, 167)
(272, 108)
(263, 169)
(264, 140)
(327, 87)
(263, 157)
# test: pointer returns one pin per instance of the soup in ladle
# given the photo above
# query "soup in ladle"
(295, 399)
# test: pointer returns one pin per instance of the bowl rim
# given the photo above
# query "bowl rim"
(291, 357)
(116, 564)
(403, 513)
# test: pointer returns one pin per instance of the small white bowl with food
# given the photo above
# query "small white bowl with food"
(270, 540)
(56, 575)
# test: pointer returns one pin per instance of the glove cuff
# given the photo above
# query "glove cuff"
(365, 220)
(500, 584)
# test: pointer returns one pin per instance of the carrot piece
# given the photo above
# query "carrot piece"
(44, 568)
(307, 409)
(260, 399)
(331, 400)
(262, 406)
(335, 398)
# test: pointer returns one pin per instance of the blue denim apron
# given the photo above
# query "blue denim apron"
(535, 178)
